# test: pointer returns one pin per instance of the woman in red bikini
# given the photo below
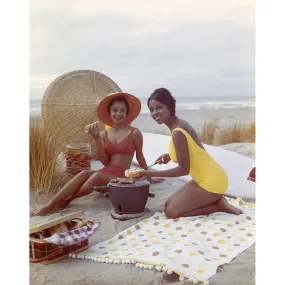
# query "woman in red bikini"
(115, 147)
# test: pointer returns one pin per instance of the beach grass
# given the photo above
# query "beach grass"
(214, 134)
(236, 133)
(207, 132)
(44, 159)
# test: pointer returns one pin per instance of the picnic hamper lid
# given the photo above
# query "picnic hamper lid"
(39, 223)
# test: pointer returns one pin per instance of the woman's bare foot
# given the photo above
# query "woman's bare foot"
(63, 205)
(46, 209)
(227, 207)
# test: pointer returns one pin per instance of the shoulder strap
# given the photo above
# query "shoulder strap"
(182, 131)
(188, 137)
(132, 130)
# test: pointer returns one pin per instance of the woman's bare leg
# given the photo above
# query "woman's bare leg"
(97, 179)
(221, 205)
(192, 200)
(68, 190)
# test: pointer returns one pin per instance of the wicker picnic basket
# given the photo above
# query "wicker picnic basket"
(70, 103)
(45, 252)
(78, 157)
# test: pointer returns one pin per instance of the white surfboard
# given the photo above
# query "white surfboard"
(236, 165)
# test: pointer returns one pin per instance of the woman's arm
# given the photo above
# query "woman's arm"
(138, 138)
(182, 155)
(102, 155)
(99, 137)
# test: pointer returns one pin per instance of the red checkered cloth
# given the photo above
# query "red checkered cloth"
(73, 236)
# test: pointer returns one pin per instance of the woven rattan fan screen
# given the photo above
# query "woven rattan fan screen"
(70, 103)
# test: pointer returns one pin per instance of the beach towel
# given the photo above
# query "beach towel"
(192, 247)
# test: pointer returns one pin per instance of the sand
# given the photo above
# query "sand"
(97, 208)
(247, 149)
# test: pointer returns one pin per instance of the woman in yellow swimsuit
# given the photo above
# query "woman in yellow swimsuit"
(204, 194)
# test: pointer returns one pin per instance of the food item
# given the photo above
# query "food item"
(58, 229)
(126, 181)
(68, 224)
(123, 180)
(82, 223)
(86, 129)
(133, 173)
(41, 234)
(76, 224)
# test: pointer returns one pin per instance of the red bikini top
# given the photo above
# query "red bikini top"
(125, 147)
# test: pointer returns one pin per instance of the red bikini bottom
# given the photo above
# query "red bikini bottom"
(115, 170)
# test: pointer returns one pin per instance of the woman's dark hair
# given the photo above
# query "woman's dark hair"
(163, 96)
(119, 99)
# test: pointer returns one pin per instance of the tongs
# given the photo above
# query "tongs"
(152, 165)
(156, 162)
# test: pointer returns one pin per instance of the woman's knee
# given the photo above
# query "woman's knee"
(85, 173)
(96, 179)
(171, 212)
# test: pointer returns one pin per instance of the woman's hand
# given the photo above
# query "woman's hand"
(93, 130)
(165, 158)
(144, 175)
(147, 175)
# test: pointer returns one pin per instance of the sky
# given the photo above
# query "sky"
(194, 48)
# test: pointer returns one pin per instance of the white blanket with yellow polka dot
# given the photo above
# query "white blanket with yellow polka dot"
(192, 247)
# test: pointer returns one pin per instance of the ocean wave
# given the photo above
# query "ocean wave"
(214, 105)
(35, 111)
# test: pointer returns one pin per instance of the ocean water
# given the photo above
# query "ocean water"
(35, 106)
(208, 103)
(184, 104)
(195, 110)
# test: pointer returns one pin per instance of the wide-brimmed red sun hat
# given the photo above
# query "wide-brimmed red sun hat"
(134, 108)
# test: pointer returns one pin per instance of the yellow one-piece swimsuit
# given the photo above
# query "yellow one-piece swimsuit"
(204, 170)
